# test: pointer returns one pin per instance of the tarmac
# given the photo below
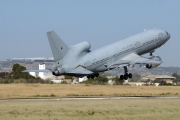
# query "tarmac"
(89, 98)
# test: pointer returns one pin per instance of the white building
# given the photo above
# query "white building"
(41, 74)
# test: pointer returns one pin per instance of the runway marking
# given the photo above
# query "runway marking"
(91, 98)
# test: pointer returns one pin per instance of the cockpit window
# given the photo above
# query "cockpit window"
(167, 33)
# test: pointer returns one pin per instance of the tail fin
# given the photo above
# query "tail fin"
(58, 47)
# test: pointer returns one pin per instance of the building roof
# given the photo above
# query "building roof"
(165, 77)
(153, 77)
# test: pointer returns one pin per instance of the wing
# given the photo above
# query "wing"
(45, 70)
(133, 59)
(136, 59)
(80, 70)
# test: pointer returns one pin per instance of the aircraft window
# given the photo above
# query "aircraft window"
(167, 33)
(159, 38)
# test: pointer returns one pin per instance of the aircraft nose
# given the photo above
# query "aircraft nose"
(168, 35)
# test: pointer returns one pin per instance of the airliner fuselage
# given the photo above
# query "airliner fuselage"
(99, 60)
(79, 60)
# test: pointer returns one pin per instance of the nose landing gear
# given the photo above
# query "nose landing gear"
(151, 53)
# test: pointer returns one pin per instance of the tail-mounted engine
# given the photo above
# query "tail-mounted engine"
(80, 48)
(58, 71)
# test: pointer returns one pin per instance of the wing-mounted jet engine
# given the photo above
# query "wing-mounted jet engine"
(154, 65)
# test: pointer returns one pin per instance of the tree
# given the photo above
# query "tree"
(98, 80)
(177, 80)
(4, 75)
(176, 76)
(17, 72)
(118, 81)
(68, 77)
(136, 78)
(102, 80)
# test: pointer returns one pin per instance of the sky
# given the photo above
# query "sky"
(24, 23)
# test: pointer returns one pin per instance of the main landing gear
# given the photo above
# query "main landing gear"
(126, 74)
(93, 76)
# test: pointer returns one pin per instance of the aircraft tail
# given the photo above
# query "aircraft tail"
(58, 47)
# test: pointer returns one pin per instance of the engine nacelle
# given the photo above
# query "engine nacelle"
(157, 58)
(58, 71)
(84, 46)
(154, 65)
(149, 66)
(80, 48)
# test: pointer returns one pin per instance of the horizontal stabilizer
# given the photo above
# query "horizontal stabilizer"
(80, 70)
(45, 70)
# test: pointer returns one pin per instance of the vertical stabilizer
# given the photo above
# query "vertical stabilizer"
(58, 47)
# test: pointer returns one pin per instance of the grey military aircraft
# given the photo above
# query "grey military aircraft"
(78, 60)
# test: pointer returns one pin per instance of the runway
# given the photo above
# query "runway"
(89, 98)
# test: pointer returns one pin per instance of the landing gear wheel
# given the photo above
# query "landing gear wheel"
(92, 76)
(121, 77)
(130, 75)
(125, 76)
(96, 75)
